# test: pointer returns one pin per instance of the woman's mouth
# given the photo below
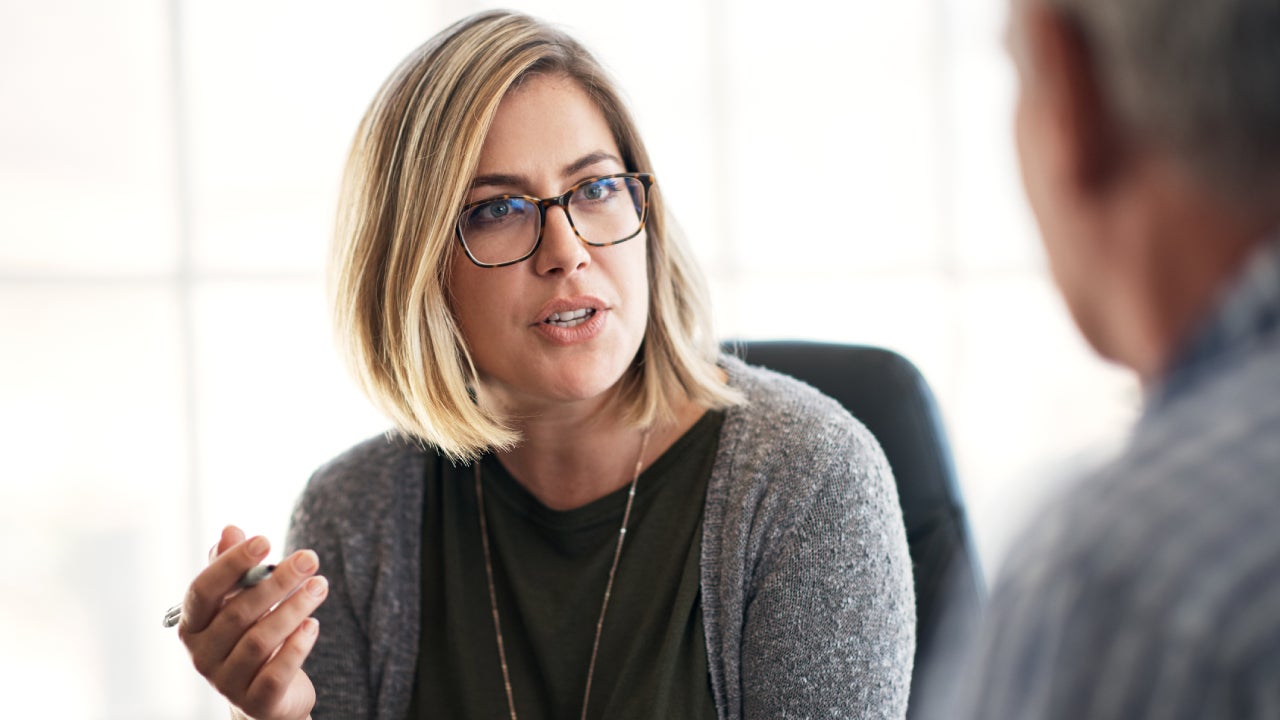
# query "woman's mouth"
(570, 318)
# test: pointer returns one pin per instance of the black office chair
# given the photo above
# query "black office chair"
(889, 395)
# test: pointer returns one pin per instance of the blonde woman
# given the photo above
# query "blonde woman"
(585, 511)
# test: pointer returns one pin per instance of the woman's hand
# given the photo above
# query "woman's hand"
(250, 644)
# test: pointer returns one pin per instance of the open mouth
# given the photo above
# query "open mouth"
(570, 318)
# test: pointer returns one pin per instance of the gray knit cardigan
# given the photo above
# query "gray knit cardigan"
(806, 583)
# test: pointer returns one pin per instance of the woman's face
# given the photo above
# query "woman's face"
(524, 323)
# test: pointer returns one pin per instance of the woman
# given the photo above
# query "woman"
(586, 512)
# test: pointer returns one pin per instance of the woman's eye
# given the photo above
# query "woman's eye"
(600, 189)
(497, 211)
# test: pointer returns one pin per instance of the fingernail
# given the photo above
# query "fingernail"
(259, 546)
(317, 586)
(306, 561)
(310, 626)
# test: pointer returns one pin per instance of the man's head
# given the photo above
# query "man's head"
(1140, 122)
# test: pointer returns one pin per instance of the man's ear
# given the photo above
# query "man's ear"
(1081, 121)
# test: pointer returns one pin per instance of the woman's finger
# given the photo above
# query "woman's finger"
(280, 687)
(237, 615)
(265, 639)
(205, 594)
(230, 536)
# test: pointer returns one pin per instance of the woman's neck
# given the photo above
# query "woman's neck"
(568, 460)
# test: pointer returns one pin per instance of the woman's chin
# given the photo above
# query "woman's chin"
(566, 388)
(583, 390)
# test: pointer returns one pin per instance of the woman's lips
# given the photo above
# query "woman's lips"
(570, 318)
(570, 327)
(565, 306)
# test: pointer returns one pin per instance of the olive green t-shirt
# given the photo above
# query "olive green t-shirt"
(550, 570)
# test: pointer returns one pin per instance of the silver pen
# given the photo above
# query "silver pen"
(252, 577)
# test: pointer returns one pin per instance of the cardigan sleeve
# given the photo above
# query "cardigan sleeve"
(807, 589)
(362, 514)
(338, 664)
(829, 629)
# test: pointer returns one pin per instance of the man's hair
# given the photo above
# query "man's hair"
(410, 167)
(1200, 77)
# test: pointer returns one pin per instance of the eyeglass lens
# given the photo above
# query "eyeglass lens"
(602, 211)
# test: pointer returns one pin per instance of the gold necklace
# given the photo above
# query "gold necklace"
(608, 588)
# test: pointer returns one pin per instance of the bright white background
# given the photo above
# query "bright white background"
(167, 181)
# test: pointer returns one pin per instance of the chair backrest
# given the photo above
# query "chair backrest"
(890, 397)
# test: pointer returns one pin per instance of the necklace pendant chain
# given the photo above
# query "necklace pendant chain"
(608, 588)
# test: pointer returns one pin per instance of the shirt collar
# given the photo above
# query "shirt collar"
(1248, 312)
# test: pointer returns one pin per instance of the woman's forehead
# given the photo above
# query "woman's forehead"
(548, 126)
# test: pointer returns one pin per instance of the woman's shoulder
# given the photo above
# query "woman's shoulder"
(368, 496)
(791, 443)
(790, 413)
(369, 473)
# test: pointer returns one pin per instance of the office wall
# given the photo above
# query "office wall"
(167, 177)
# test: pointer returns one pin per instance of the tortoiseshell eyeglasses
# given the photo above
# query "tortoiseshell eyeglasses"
(602, 211)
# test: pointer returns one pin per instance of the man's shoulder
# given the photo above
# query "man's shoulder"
(1192, 458)
(1185, 491)
(1156, 565)
(1174, 538)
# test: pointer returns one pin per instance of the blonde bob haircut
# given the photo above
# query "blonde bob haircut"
(411, 164)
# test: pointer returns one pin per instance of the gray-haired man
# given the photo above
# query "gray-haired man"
(1149, 138)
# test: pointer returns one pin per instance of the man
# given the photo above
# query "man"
(1148, 134)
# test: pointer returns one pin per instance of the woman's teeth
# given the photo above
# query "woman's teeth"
(571, 318)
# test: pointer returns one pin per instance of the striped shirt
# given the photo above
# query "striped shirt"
(1152, 590)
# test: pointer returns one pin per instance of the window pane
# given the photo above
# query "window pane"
(86, 164)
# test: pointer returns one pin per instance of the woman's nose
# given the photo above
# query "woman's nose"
(561, 250)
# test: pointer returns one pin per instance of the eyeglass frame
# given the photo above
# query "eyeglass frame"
(647, 181)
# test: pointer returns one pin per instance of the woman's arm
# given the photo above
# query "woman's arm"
(339, 661)
(830, 630)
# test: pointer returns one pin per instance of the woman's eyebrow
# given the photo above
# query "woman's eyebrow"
(588, 160)
(497, 179)
(573, 168)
